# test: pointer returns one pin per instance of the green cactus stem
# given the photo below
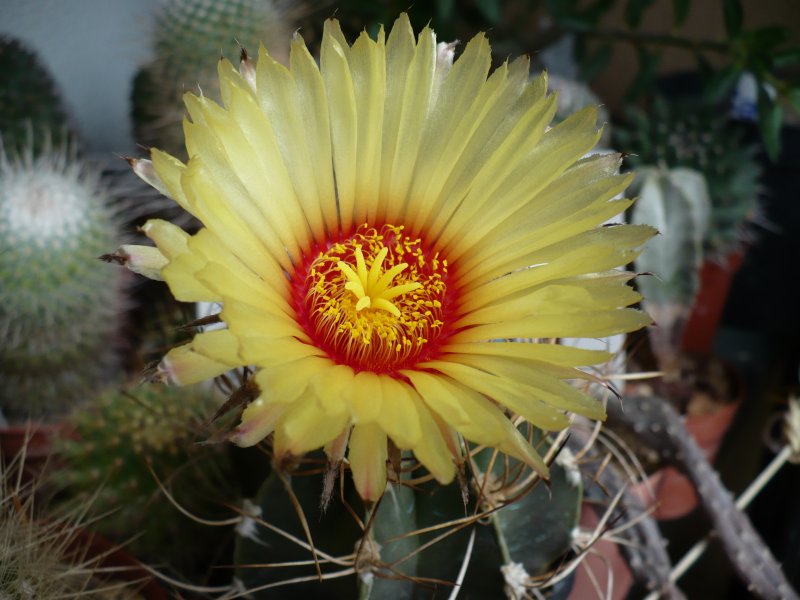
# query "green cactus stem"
(59, 307)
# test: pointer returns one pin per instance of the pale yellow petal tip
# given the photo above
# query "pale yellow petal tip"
(370, 483)
(367, 456)
(146, 171)
(258, 421)
(144, 260)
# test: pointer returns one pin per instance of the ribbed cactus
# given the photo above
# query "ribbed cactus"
(701, 138)
(419, 534)
(188, 37)
(30, 108)
(114, 442)
(677, 203)
(59, 306)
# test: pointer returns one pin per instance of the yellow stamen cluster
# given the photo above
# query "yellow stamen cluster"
(375, 300)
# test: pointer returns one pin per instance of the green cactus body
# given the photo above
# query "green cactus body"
(418, 539)
(115, 441)
(189, 36)
(30, 108)
(701, 138)
(677, 203)
(59, 306)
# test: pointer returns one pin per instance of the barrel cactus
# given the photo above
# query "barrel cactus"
(417, 537)
(31, 111)
(187, 40)
(59, 307)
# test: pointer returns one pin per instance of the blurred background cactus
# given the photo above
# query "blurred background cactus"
(701, 137)
(60, 312)
(32, 115)
(121, 444)
(188, 39)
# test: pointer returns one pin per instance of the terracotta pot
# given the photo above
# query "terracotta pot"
(36, 438)
(715, 282)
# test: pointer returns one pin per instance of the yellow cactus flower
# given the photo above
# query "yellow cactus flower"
(381, 231)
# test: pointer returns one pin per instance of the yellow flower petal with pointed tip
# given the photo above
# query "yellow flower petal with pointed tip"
(379, 229)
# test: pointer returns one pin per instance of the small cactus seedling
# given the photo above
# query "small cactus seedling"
(31, 112)
(118, 438)
(188, 38)
(59, 308)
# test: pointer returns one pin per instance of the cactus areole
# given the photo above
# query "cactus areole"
(395, 238)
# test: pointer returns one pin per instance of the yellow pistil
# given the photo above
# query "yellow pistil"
(371, 288)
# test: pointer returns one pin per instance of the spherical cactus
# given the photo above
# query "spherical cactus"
(30, 108)
(189, 36)
(117, 438)
(59, 306)
(682, 134)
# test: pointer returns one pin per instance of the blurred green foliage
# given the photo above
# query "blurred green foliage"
(528, 26)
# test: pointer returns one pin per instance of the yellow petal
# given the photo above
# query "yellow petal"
(416, 98)
(184, 366)
(368, 67)
(512, 395)
(305, 427)
(462, 408)
(258, 421)
(432, 450)
(144, 260)
(365, 397)
(313, 105)
(516, 445)
(367, 456)
(220, 345)
(576, 324)
(399, 416)
(557, 354)
(286, 383)
(344, 124)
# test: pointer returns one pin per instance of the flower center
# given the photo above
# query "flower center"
(375, 301)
